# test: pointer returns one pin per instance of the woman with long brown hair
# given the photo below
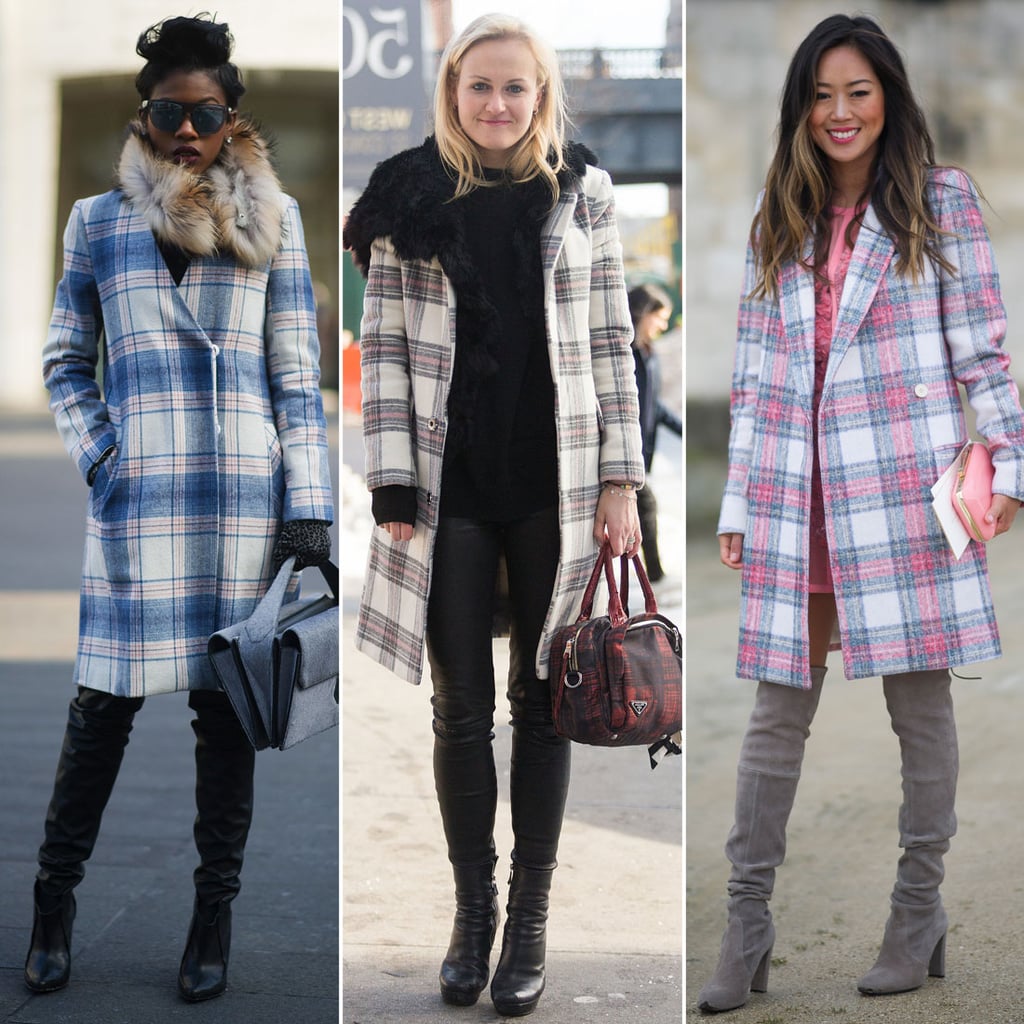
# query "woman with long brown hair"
(870, 295)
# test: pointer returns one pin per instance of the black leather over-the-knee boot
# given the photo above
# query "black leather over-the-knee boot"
(224, 772)
(94, 740)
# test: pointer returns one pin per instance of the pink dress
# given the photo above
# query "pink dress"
(827, 295)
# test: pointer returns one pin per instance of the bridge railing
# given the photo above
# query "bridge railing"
(591, 63)
(663, 62)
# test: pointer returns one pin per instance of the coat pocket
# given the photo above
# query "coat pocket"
(275, 456)
(105, 480)
(274, 450)
(944, 456)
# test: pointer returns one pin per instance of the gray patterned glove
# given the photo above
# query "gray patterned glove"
(308, 539)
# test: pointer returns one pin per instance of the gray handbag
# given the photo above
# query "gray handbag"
(279, 668)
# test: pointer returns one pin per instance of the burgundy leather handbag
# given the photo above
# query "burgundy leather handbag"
(617, 680)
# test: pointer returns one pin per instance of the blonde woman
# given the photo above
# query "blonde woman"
(500, 426)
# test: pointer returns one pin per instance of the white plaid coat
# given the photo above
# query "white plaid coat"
(210, 400)
(408, 343)
(890, 423)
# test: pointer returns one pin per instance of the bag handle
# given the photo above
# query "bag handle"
(617, 605)
(263, 621)
(650, 601)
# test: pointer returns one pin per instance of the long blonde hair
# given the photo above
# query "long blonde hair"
(540, 152)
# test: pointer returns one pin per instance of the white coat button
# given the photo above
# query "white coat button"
(432, 423)
(921, 390)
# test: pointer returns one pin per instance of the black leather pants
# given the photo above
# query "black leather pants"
(459, 619)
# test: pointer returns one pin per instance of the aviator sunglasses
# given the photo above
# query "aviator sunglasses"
(168, 115)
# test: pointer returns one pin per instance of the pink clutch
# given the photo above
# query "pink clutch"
(972, 492)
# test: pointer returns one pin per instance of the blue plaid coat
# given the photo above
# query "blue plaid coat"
(209, 402)
(890, 422)
(408, 343)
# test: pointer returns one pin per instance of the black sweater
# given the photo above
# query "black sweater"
(507, 467)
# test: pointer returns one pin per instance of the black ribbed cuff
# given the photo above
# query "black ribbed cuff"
(393, 503)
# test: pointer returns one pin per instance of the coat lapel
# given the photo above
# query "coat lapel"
(796, 307)
(553, 233)
(871, 257)
(185, 298)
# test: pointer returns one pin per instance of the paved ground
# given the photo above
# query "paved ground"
(135, 903)
(615, 943)
(831, 897)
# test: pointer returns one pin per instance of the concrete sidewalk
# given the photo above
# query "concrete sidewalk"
(614, 938)
(615, 928)
(136, 900)
(831, 896)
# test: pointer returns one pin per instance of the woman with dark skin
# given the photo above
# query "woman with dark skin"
(188, 287)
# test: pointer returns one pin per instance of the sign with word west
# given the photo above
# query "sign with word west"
(383, 95)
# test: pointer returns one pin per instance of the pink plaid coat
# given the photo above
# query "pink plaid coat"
(890, 422)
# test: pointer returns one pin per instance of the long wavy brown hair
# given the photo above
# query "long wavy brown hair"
(798, 188)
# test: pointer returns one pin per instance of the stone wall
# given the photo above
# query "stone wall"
(966, 62)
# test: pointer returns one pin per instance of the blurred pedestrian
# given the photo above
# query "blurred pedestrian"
(500, 426)
(870, 294)
(650, 309)
(188, 286)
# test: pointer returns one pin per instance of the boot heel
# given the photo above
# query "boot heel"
(937, 964)
(759, 982)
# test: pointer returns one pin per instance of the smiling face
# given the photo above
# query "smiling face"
(848, 115)
(185, 145)
(496, 96)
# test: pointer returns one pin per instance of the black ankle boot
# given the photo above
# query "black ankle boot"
(466, 965)
(519, 977)
(48, 964)
(204, 965)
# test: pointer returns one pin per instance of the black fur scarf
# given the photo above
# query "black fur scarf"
(408, 200)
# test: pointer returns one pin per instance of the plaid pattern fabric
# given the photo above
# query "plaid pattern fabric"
(211, 397)
(617, 686)
(890, 422)
(407, 350)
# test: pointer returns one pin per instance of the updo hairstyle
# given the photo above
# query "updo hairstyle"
(188, 44)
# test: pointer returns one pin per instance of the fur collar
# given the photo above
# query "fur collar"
(234, 208)
(407, 200)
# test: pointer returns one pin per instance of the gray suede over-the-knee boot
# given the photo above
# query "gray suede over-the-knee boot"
(766, 782)
(914, 946)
